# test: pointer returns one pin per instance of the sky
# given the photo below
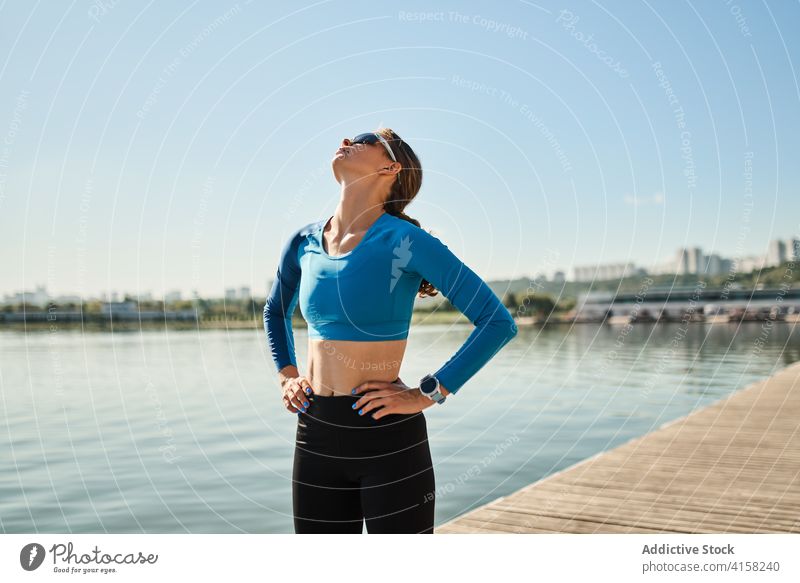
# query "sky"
(175, 146)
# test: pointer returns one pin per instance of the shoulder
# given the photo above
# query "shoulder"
(299, 234)
(409, 235)
(403, 229)
(298, 237)
(309, 228)
(417, 248)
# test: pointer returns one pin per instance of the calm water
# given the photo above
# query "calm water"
(185, 432)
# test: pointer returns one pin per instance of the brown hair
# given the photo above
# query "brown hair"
(405, 188)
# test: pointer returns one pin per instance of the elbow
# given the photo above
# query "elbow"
(512, 326)
(502, 328)
(505, 324)
(505, 328)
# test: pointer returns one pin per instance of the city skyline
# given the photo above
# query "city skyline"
(132, 157)
(689, 260)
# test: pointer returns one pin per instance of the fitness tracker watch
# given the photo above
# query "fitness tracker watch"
(429, 386)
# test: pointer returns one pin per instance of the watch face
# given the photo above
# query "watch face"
(428, 385)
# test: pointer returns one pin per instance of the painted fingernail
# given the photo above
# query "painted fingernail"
(305, 404)
(361, 411)
(353, 392)
(354, 405)
(308, 391)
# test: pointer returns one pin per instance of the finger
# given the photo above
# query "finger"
(375, 404)
(388, 410)
(302, 398)
(298, 401)
(306, 386)
(292, 396)
(289, 406)
(367, 397)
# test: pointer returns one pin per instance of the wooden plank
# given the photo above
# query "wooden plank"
(625, 495)
(651, 516)
(620, 508)
(733, 466)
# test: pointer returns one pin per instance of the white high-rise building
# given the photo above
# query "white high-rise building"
(776, 253)
(682, 261)
(793, 249)
(714, 265)
(696, 260)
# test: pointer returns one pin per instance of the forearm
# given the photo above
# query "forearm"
(480, 347)
(287, 373)
(280, 337)
(280, 306)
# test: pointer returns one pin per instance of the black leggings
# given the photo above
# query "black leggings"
(349, 468)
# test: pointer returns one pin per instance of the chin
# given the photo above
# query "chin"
(333, 168)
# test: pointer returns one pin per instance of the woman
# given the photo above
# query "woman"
(361, 450)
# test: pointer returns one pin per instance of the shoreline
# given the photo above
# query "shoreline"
(418, 319)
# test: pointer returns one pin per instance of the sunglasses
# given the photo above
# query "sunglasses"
(373, 138)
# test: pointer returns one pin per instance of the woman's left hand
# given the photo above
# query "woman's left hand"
(388, 398)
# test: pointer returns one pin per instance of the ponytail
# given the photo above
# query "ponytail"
(404, 189)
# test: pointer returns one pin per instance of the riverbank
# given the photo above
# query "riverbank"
(417, 319)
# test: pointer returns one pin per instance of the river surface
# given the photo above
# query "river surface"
(184, 431)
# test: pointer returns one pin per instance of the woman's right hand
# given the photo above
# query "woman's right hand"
(297, 394)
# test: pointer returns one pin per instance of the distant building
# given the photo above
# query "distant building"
(244, 293)
(40, 297)
(230, 293)
(682, 262)
(172, 296)
(776, 253)
(675, 302)
(715, 265)
(793, 249)
(750, 263)
(695, 260)
(605, 271)
(690, 260)
(559, 277)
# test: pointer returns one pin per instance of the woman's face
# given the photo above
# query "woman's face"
(359, 159)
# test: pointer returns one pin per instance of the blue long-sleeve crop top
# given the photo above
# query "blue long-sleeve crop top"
(368, 294)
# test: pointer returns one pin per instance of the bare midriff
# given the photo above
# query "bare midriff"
(335, 367)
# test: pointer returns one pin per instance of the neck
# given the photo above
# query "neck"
(360, 204)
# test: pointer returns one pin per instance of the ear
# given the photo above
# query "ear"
(396, 166)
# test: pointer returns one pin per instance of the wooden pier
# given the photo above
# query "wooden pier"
(732, 467)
